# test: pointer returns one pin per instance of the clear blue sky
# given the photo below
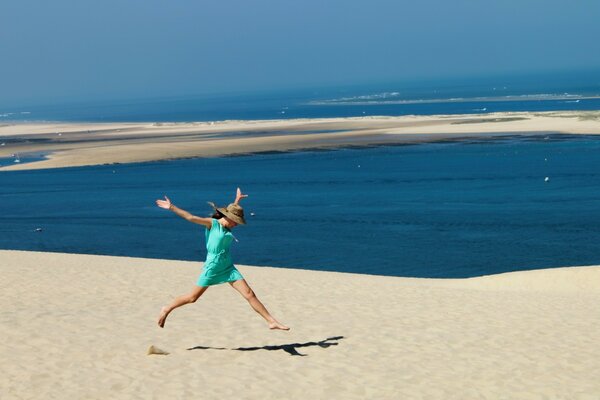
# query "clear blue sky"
(80, 49)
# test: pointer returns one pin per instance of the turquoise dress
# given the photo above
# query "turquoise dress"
(218, 267)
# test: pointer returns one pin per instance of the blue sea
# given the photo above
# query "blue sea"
(448, 209)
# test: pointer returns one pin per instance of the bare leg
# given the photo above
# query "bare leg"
(245, 290)
(180, 301)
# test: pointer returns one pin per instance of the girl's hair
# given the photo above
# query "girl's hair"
(217, 215)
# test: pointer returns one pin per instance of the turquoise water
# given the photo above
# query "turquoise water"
(451, 209)
(21, 158)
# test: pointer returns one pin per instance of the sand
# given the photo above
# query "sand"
(76, 144)
(79, 326)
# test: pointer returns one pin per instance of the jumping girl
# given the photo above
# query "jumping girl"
(218, 267)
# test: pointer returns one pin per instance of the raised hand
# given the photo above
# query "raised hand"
(166, 203)
(239, 196)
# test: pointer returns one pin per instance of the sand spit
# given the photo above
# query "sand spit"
(79, 326)
(76, 144)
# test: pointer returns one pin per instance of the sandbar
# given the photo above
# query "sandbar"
(83, 144)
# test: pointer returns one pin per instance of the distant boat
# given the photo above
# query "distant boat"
(17, 159)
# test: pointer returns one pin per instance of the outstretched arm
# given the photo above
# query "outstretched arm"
(167, 205)
(239, 196)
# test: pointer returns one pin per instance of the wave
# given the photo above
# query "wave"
(376, 96)
(8, 114)
(387, 98)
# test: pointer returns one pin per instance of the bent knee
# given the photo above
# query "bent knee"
(193, 298)
(249, 294)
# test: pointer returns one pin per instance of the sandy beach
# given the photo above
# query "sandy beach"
(79, 326)
(79, 144)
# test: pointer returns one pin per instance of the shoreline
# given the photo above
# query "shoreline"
(443, 280)
(86, 144)
(81, 326)
(563, 279)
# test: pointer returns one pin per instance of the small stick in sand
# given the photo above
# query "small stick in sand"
(153, 350)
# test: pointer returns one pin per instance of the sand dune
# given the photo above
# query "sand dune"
(77, 144)
(78, 326)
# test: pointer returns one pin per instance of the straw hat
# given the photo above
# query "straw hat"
(233, 211)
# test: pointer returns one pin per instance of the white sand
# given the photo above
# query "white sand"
(75, 326)
(93, 144)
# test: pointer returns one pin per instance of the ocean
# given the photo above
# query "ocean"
(449, 209)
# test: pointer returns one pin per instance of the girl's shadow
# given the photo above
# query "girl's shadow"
(288, 348)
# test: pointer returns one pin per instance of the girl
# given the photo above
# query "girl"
(218, 267)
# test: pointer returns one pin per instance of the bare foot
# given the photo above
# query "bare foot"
(277, 325)
(162, 317)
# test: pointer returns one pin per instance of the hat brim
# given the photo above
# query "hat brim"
(231, 216)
